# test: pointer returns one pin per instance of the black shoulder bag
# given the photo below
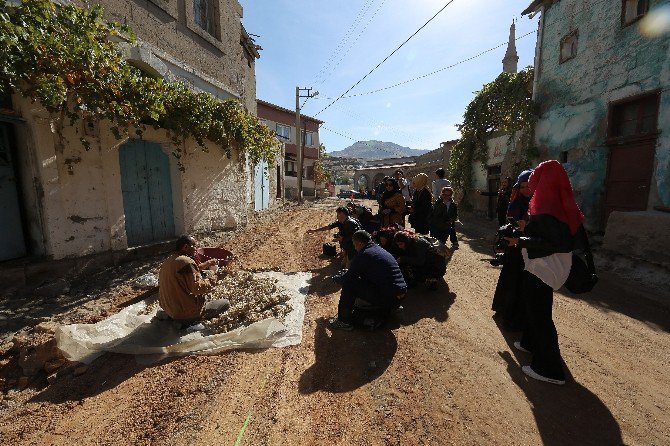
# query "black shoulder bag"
(582, 276)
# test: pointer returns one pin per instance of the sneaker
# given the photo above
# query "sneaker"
(454, 246)
(337, 324)
(528, 370)
(519, 347)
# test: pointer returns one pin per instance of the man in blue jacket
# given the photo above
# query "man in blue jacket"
(373, 281)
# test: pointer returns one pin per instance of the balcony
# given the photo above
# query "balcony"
(310, 152)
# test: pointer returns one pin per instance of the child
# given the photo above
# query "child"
(443, 218)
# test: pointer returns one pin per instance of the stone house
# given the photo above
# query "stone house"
(282, 121)
(429, 162)
(373, 172)
(61, 201)
(601, 81)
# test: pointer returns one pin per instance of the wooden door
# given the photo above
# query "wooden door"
(629, 173)
(12, 244)
(147, 192)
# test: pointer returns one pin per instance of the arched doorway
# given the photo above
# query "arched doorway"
(363, 183)
(378, 179)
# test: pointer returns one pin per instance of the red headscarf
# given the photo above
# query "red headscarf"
(552, 195)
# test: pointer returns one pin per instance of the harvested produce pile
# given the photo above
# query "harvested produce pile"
(252, 299)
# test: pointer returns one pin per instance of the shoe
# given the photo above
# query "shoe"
(528, 370)
(431, 284)
(337, 324)
(518, 346)
(454, 246)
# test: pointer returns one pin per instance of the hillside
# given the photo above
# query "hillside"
(374, 150)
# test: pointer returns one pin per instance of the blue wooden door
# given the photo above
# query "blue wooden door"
(147, 192)
(261, 186)
(11, 229)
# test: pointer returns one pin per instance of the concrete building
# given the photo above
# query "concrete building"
(282, 121)
(601, 83)
(60, 201)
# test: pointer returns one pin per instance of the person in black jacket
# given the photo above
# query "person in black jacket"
(419, 261)
(346, 227)
(443, 218)
(503, 194)
(373, 281)
(421, 206)
(546, 247)
(508, 300)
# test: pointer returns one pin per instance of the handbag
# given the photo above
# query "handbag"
(582, 277)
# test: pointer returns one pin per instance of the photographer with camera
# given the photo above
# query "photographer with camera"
(546, 247)
(507, 300)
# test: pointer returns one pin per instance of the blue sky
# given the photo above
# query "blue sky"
(303, 46)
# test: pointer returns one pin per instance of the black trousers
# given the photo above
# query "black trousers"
(539, 334)
(508, 297)
(359, 289)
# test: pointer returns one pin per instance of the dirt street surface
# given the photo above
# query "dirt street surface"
(442, 373)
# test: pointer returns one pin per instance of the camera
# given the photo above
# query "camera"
(511, 230)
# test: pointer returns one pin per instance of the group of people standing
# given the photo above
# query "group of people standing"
(430, 207)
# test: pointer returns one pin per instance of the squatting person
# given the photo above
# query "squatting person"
(346, 226)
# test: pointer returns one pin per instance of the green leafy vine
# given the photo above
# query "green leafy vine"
(504, 106)
(62, 56)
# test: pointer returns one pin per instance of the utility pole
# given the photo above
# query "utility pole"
(299, 139)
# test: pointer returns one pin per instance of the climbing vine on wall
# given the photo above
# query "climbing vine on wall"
(320, 174)
(63, 57)
(502, 106)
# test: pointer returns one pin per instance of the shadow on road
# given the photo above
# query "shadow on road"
(347, 360)
(568, 414)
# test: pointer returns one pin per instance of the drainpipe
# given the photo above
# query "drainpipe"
(538, 49)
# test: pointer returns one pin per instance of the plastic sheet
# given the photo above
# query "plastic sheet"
(132, 332)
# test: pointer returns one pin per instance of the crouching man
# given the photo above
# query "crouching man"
(182, 288)
(373, 284)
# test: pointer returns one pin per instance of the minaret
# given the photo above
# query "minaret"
(511, 59)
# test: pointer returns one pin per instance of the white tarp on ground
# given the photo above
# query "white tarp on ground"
(132, 332)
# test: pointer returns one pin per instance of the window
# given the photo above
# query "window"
(569, 46)
(632, 10)
(635, 117)
(284, 132)
(289, 168)
(205, 15)
(309, 141)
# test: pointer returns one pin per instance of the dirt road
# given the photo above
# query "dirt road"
(442, 373)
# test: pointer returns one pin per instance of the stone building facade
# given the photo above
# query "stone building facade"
(429, 162)
(601, 84)
(282, 121)
(68, 202)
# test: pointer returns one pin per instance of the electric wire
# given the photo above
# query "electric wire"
(345, 38)
(365, 27)
(387, 57)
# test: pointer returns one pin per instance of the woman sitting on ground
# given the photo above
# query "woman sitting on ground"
(392, 208)
(421, 204)
(419, 260)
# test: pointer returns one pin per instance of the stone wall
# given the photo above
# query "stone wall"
(612, 63)
(73, 200)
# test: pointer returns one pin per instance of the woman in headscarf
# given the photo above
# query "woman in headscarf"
(507, 300)
(421, 205)
(547, 248)
(503, 194)
(392, 205)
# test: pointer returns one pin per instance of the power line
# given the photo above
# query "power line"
(387, 57)
(436, 71)
(365, 27)
(345, 38)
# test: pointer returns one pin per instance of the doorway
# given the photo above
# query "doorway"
(147, 192)
(261, 186)
(12, 241)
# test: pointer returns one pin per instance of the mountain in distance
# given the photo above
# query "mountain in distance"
(376, 150)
